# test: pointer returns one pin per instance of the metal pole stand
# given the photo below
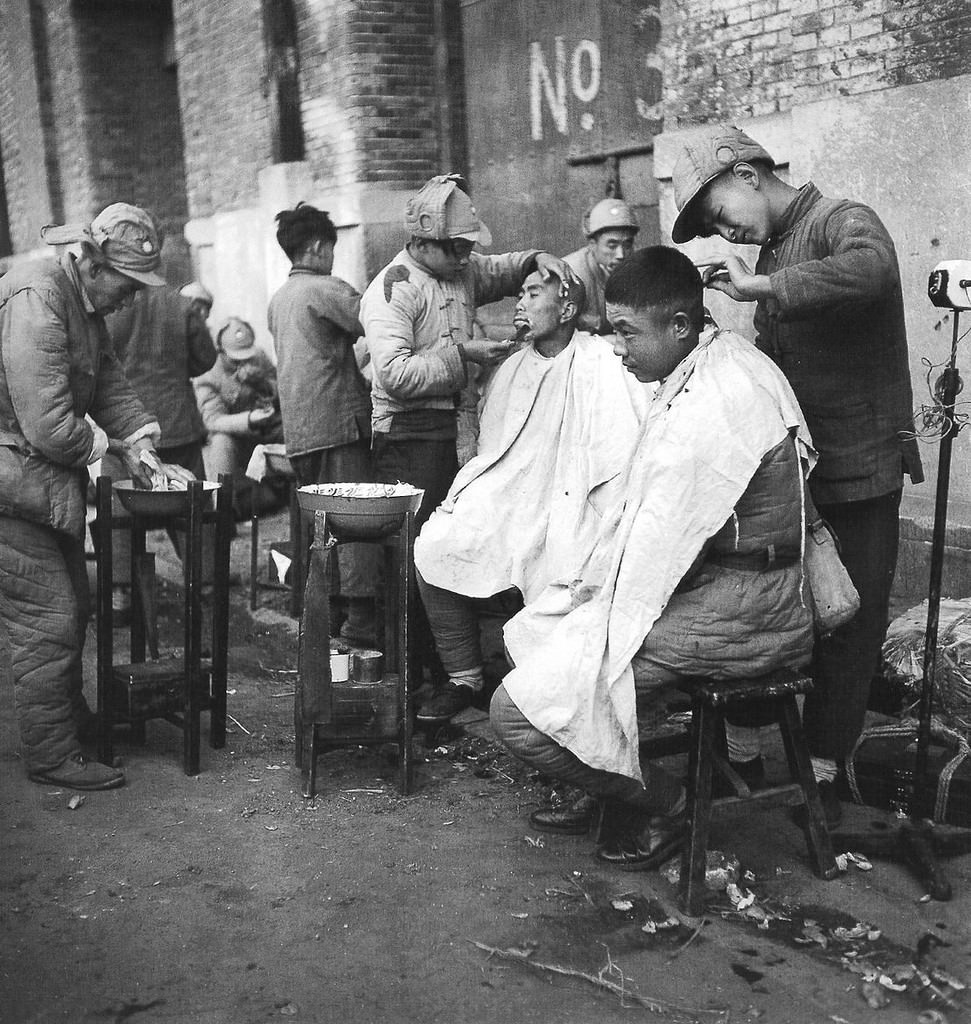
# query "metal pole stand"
(916, 842)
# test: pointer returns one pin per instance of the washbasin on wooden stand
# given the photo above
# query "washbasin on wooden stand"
(363, 711)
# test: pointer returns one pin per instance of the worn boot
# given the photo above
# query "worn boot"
(77, 773)
(573, 817)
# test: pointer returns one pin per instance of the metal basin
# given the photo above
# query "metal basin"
(352, 515)
(159, 503)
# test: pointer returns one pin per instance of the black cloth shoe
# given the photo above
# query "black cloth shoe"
(832, 807)
(77, 773)
(445, 704)
(752, 773)
(571, 818)
(648, 847)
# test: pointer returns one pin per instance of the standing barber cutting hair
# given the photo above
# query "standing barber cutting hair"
(64, 403)
(830, 314)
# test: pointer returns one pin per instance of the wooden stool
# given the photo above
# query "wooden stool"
(710, 699)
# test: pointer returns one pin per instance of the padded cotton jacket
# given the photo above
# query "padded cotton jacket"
(56, 366)
(836, 330)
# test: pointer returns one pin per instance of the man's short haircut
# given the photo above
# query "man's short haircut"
(658, 278)
(301, 227)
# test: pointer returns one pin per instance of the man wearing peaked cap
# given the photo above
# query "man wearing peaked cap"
(64, 403)
(610, 227)
(417, 316)
(829, 311)
(240, 407)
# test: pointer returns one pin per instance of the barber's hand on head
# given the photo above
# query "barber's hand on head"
(547, 264)
(731, 275)
(486, 352)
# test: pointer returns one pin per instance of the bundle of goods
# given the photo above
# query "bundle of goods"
(880, 772)
(903, 656)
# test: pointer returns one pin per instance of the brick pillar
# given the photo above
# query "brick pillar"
(371, 77)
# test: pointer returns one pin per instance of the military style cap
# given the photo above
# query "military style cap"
(705, 156)
(236, 339)
(442, 209)
(609, 213)
(126, 236)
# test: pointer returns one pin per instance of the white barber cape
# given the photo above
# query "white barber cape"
(555, 439)
(709, 425)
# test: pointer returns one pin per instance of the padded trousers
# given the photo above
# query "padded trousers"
(44, 607)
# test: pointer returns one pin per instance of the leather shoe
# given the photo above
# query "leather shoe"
(572, 818)
(832, 807)
(649, 847)
(77, 773)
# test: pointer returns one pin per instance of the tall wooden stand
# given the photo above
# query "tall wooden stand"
(329, 714)
(177, 690)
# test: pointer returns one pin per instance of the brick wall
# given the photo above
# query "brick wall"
(368, 81)
(750, 58)
(224, 101)
(89, 115)
(130, 122)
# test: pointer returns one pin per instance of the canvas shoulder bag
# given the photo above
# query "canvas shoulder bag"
(835, 600)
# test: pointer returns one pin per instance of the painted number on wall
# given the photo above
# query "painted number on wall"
(551, 84)
(563, 75)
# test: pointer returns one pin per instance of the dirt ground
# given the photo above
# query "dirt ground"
(229, 899)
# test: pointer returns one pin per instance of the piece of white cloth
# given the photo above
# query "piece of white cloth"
(710, 423)
(256, 468)
(556, 436)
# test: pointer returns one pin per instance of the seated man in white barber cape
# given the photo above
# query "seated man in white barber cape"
(697, 572)
(558, 423)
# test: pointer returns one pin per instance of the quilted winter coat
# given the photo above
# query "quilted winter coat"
(56, 366)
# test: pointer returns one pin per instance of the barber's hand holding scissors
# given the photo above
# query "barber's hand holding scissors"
(731, 275)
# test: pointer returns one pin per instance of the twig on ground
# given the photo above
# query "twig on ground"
(583, 892)
(679, 1014)
(289, 693)
(241, 726)
(687, 942)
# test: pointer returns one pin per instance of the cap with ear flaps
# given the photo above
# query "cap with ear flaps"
(126, 237)
(705, 156)
(442, 209)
